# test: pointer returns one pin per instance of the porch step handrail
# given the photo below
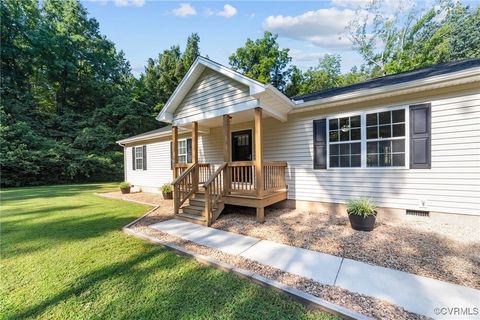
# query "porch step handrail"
(214, 193)
(184, 186)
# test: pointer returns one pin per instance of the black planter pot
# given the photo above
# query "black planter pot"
(167, 195)
(363, 223)
(125, 190)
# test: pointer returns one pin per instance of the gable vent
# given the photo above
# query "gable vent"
(418, 213)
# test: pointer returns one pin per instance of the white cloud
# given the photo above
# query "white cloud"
(127, 3)
(227, 12)
(323, 27)
(299, 55)
(185, 9)
(350, 3)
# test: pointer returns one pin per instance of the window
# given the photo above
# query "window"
(368, 139)
(182, 151)
(386, 138)
(139, 158)
(345, 141)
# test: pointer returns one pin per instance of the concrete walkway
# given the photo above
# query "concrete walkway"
(430, 297)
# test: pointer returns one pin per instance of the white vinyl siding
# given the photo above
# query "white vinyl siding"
(158, 164)
(451, 185)
(211, 93)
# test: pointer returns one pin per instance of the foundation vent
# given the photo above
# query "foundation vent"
(418, 213)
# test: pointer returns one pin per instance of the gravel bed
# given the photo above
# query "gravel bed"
(417, 245)
(366, 305)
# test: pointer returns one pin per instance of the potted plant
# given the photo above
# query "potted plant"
(125, 187)
(167, 191)
(362, 214)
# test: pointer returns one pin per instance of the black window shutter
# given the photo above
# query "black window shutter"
(420, 136)
(144, 157)
(189, 150)
(320, 144)
(133, 158)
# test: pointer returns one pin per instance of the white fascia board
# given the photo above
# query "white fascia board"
(274, 92)
(457, 78)
(177, 93)
(216, 113)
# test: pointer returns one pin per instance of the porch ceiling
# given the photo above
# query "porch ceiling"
(238, 117)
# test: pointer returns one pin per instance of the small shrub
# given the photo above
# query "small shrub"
(166, 188)
(361, 207)
(124, 185)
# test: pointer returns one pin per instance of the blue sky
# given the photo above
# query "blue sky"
(143, 28)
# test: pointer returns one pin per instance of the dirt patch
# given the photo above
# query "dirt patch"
(417, 245)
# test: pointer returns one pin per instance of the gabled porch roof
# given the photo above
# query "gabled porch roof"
(273, 102)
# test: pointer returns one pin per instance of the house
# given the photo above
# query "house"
(410, 141)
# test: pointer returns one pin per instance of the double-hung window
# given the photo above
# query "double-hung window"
(139, 158)
(182, 151)
(345, 137)
(368, 139)
(386, 138)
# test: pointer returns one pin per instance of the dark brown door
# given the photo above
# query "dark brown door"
(242, 151)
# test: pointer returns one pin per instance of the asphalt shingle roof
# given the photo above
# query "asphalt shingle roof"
(435, 70)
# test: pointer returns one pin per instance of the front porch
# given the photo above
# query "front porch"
(201, 190)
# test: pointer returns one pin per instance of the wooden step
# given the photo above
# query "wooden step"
(193, 218)
(193, 210)
(197, 202)
(199, 195)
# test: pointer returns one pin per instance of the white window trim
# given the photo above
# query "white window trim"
(138, 158)
(186, 150)
(363, 141)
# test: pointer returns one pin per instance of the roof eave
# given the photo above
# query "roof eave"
(465, 76)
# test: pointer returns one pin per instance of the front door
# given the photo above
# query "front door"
(242, 151)
(242, 145)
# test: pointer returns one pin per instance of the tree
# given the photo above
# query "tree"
(67, 96)
(162, 75)
(263, 60)
(410, 38)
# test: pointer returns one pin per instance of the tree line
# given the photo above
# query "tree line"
(67, 94)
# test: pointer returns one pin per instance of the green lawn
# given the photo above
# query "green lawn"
(63, 256)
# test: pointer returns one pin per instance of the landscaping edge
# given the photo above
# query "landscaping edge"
(310, 301)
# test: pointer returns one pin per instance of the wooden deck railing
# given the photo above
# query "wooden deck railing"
(242, 176)
(184, 186)
(274, 175)
(214, 192)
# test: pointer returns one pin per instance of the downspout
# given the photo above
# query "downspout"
(124, 161)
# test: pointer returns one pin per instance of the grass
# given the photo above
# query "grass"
(64, 256)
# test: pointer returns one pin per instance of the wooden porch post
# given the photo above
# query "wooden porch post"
(227, 151)
(259, 161)
(176, 195)
(195, 154)
(174, 150)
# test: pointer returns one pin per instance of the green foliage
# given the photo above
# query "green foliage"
(263, 60)
(412, 38)
(163, 74)
(64, 256)
(361, 207)
(67, 96)
(166, 188)
(124, 185)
